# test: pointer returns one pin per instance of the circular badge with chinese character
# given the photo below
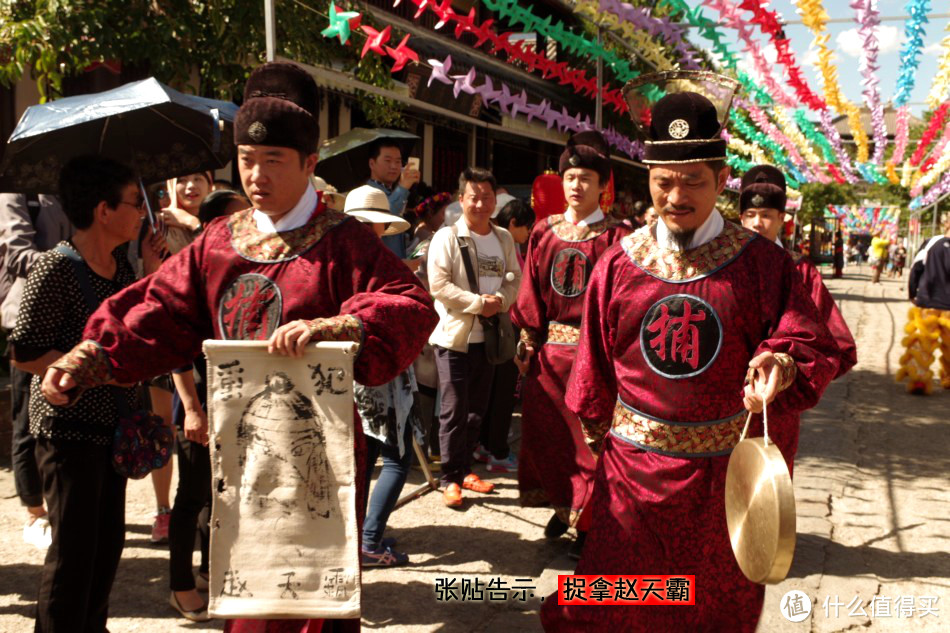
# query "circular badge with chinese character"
(681, 336)
(570, 272)
(250, 309)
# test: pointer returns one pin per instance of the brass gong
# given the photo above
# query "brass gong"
(760, 510)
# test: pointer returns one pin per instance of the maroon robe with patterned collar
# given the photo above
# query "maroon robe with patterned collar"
(236, 282)
(829, 313)
(555, 466)
(666, 340)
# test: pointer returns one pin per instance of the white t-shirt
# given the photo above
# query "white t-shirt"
(491, 273)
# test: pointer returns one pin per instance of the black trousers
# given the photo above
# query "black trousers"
(501, 405)
(191, 510)
(26, 476)
(465, 382)
(86, 502)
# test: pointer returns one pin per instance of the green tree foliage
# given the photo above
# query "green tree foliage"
(817, 196)
(220, 40)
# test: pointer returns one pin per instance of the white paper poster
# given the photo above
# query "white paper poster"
(284, 541)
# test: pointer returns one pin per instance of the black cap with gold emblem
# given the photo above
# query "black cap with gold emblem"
(587, 149)
(280, 108)
(763, 187)
(685, 124)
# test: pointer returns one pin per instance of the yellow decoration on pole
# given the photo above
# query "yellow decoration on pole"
(815, 17)
(941, 84)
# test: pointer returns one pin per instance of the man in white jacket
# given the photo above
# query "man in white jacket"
(465, 375)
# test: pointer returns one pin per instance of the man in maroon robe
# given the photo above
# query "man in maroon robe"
(678, 317)
(762, 200)
(556, 468)
(289, 270)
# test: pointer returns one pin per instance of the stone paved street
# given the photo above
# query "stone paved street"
(872, 503)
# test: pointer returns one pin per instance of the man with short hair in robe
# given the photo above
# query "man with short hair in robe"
(762, 200)
(688, 325)
(288, 270)
(556, 467)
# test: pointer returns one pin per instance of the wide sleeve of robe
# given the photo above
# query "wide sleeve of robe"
(796, 331)
(831, 316)
(529, 312)
(394, 309)
(159, 323)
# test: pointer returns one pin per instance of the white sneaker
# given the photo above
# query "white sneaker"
(39, 533)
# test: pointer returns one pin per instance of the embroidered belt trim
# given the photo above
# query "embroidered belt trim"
(563, 333)
(701, 439)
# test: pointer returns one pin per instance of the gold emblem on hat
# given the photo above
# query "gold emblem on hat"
(757, 200)
(679, 129)
(257, 131)
(574, 160)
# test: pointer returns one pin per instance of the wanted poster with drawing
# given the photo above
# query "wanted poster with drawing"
(284, 541)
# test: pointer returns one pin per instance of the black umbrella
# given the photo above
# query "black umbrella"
(344, 159)
(159, 132)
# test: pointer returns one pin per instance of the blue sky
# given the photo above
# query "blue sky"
(845, 43)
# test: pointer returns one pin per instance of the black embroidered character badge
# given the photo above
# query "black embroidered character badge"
(570, 272)
(681, 336)
(250, 309)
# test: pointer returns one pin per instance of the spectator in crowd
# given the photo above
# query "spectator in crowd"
(517, 217)
(650, 216)
(387, 413)
(879, 247)
(180, 216)
(334, 199)
(493, 449)
(221, 183)
(638, 217)
(430, 214)
(465, 376)
(430, 217)
(29, 225)
(221, 203)
(185, 196)
(387, 174)
(84, 493)
(192, 507)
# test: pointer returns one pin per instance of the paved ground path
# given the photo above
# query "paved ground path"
(873, 520)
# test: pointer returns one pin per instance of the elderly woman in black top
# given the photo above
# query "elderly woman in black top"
(85, 495)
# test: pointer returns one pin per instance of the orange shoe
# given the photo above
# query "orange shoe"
(452, 496)
(474, 483)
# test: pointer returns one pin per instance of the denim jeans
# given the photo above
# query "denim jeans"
(388, 486)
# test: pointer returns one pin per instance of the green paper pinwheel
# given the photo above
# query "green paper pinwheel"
(340, 25)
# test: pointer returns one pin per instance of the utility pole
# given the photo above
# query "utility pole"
(270, 29)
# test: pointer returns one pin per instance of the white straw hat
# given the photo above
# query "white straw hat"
(328, 191)
(369, 204)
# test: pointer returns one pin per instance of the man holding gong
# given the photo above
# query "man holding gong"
(688, 326)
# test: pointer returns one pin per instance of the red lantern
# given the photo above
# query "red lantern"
(608, 196)
(547, 195)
